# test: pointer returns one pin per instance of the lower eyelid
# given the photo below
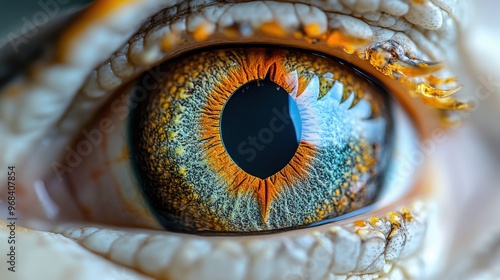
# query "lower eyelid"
(354, 247)
(36, 245)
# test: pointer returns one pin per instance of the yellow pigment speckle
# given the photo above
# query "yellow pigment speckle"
(172, 90)
(373, 221)
(204, 31)
(394, 218)
(298, 35)
(172, 134)
(273, 28)
(179, 151)
(348, 43)
(168, 42)
(177, 119)
(181, 94)
(312, 30)
(407, 216)
(360, 223)
(182, 170)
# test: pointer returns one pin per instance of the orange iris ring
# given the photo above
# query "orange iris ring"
(256, 65)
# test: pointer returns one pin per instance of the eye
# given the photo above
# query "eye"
(255, 139)
(190, 147)
(163, 157)
(241, 140)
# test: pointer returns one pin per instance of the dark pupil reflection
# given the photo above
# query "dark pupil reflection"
(261, 128)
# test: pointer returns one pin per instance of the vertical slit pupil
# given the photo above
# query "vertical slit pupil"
(261, 128)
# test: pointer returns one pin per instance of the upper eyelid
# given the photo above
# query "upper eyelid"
(146, 48)
(55, 87)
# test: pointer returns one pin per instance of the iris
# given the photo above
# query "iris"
(259, 139)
